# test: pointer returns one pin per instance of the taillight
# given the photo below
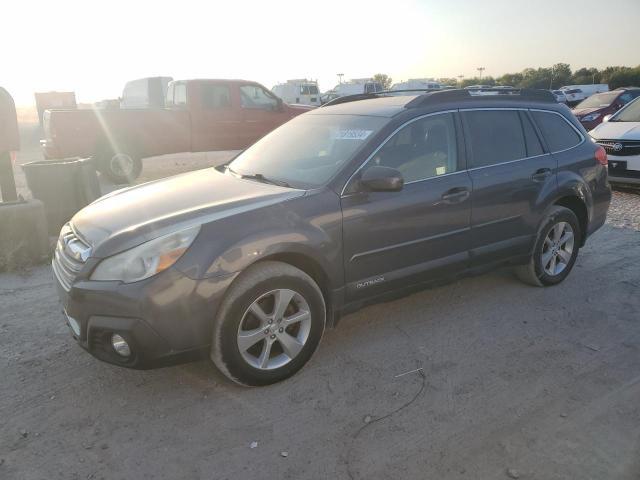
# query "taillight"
(601, 156)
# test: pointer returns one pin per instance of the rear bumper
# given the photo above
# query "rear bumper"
(166, 319)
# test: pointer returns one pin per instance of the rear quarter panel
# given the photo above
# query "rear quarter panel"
(580, 175)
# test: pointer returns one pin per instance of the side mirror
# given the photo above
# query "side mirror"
(280, 105)
(606, 118)
(382, 179)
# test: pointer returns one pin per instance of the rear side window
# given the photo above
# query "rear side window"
(215, 96)
(495, 136)
(530, 137)
(556, 131)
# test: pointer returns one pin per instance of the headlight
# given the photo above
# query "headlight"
(591, 117)
(147, 259)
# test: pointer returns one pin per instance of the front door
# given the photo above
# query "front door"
(261, 112)
(393, 239)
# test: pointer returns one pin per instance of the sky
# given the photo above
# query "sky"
(94, 47)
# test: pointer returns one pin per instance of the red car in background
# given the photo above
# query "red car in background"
(592, 110)
(198, 116)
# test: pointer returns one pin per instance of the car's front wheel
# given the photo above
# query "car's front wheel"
(268, 325)
(555, 251)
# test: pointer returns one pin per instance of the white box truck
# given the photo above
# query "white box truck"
(299, 91)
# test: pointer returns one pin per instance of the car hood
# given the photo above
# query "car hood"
(617, 131)
(297, 109)
(129, 217)
(579, 112)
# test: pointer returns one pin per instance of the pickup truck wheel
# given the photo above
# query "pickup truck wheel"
(120, 167)
(268, 325)
(555, 251)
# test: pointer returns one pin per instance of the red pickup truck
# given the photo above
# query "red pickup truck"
(199, 116)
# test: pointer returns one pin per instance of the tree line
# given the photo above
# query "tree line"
(555, 77)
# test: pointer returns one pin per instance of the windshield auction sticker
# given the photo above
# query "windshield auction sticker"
(352, 134)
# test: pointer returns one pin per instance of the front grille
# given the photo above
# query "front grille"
(621, 148)
(69, 257)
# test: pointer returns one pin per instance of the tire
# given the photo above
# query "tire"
(562, 220)
(250, 305)
(122, 167)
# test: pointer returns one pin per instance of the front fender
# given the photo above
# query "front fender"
(310, 225)
(255, 248)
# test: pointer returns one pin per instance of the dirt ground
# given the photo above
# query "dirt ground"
(485, 378)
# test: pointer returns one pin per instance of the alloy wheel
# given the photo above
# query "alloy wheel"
(274, 329)
(557, 249)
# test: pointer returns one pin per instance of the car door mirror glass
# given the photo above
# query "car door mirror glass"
(381, 179)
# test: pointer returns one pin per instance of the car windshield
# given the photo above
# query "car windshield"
(599, 100)
(307, 151)
(631, 113)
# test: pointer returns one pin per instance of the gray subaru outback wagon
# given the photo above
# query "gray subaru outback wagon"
(345, 205)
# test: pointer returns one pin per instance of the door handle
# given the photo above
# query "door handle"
(541, 175)
(455, 195)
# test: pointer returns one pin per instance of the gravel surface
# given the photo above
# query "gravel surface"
(625, 209)
(484, 378)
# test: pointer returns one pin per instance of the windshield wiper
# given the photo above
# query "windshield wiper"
(260, 177)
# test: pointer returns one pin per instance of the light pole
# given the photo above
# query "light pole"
(481, 69)
(340, 75)
(551, 80)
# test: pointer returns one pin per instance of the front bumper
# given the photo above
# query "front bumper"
(165, 319)
(624, 169)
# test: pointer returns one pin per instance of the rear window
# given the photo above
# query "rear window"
(309, 90)
(557, 131)
(599, 100)
(495, 136)
(176, 94)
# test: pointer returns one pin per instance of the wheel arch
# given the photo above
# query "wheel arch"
(311, 267)
(578, 206)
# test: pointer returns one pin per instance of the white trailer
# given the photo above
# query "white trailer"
(354, 87)
(298, 91)
(577, 93)
(426, 84)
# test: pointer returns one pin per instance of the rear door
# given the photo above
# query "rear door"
(510, 173)
(392, 239)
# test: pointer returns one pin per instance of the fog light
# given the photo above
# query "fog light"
(120, 345)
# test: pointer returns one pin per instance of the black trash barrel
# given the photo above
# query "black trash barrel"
(64, 186)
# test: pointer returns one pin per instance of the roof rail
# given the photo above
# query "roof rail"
(366, 96)
(462, 94)
(350, 98)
